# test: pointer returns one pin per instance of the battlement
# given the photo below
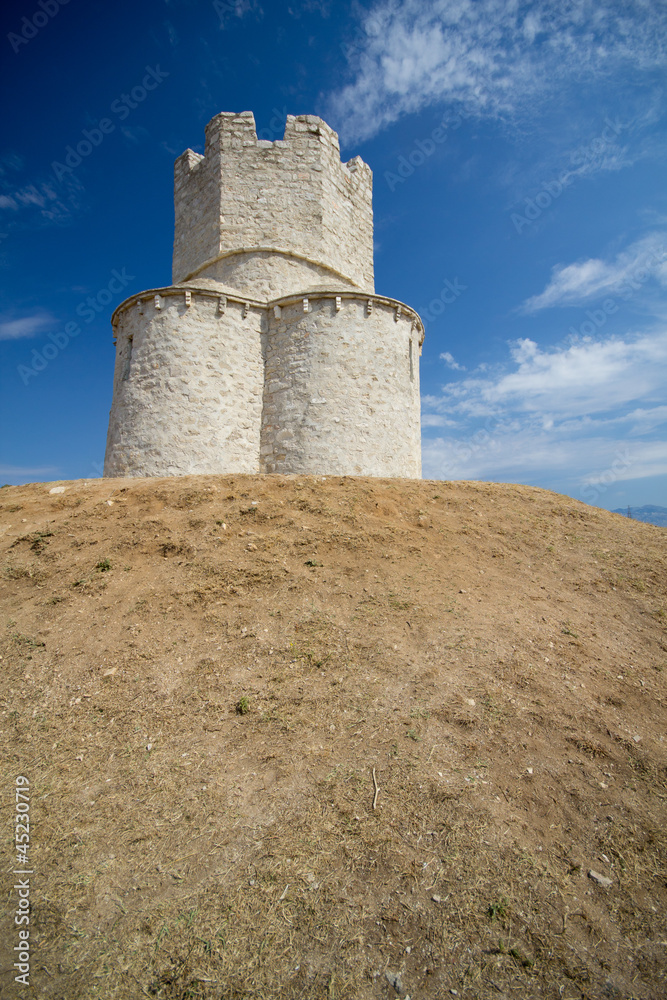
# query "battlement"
(292, 196)
(229, 130)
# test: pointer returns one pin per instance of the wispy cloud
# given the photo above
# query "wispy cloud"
(496, 59)
(577, 283)
(25, 326)
(29, 196)
(322, 7)
(136, 134)
(451, 362)
(226, 9)
(568, 411)
(21, 472)
(533, 456)
(39, 203)
(437, 420)
(172, 34)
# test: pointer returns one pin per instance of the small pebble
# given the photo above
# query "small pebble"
(600, 879)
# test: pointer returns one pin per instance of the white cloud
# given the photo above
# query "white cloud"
(450, 362)
(26, 326)
(20, 472)
(489, 56)
(227, 9)
(41, 200)
(322, 7)
(588, 413)
(437, 420)
(528, 456)
(582, 378)
(30, 195)
(631, 460)
(584, 280)
(135, 134)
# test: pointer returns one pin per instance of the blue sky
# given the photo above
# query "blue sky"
(519, 154)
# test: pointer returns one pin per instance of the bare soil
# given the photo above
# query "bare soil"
(305, 737)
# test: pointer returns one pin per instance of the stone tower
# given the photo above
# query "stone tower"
(270, 352)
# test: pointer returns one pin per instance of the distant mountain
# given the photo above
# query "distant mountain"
(648, 513)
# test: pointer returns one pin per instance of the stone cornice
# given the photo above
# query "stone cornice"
(311, 295)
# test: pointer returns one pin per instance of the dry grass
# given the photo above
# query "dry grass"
(486, 650)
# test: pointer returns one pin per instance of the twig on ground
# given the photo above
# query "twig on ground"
(377, 790)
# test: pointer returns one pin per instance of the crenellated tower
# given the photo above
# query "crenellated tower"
(270, 352)
(257, 214)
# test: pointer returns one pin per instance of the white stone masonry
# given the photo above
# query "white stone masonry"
(270, 352)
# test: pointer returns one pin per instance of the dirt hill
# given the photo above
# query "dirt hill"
(305, 737)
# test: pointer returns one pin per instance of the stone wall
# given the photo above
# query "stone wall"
(204, 383)
(292, 195)
(267, 275)
(188, 386)
(341, 392)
